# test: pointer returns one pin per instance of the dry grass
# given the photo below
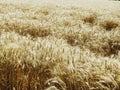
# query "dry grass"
(51, 46)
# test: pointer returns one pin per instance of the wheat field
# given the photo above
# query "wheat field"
(59, 45)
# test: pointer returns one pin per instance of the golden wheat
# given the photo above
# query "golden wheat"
(59, 45)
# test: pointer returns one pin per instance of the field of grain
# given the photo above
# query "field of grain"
(59, 45)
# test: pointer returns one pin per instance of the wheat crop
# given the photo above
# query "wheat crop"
(59, 45)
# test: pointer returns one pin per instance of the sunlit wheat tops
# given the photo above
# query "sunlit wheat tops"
(59, 45)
